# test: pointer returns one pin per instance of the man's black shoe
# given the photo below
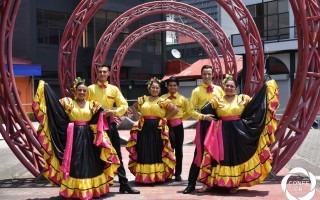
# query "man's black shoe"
(178, 178)
(189, 189)
(127, 188)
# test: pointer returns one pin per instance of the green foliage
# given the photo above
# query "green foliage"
(31, 116)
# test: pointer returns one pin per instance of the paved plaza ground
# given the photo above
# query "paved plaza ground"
(16, 183)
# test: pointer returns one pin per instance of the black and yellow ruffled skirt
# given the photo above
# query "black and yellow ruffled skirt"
(247, 158)
(151, 158)
(93, 164)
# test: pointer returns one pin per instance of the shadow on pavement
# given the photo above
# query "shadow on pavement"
(24, 183)
(242, 192)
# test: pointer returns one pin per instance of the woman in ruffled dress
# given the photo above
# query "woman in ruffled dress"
(237, 145)
(75, 146)
(151, 158)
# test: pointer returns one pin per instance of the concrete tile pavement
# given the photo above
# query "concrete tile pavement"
(25, 187)
(308, 155)
(16, 183)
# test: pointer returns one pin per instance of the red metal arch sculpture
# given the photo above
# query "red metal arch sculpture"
(166, 26)
(251, 41)
(70, 42)
(304, 102)
(18, 131)
(305, 99)
(162, 7)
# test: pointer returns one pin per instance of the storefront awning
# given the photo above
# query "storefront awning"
(26, 70)
(22, 67)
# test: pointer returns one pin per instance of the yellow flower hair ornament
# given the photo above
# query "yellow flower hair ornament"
(228, 77)
(76, 82)
(154, 79)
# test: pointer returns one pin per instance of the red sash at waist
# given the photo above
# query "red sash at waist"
(175, 122)
(80, 123)
(230, 118)
(213, 142)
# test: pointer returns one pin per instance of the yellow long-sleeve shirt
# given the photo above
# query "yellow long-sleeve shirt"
(181, 102)
(107, 97)
(199, 97)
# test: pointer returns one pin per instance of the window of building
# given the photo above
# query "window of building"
(271, 7)
(111, 16)
(283, 26)
(272, 19)
(50, 26)
(272, 27)
(152, 43)
(283, 6)
(148, 46)
(158, 47)
(102, 19)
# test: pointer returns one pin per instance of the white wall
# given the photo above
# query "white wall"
(252, 2)
(186, 87)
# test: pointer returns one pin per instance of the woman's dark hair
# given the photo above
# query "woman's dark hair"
(153, 80)
(80, 83)
(229, 78)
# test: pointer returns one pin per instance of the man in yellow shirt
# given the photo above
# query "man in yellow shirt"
(108, 95)
(199, 97)
(175, 124)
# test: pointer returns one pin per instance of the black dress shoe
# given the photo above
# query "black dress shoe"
(178, 178)
(189, 189)
(127, 188)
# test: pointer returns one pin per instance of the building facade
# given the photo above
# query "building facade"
(39, 28)
(189, 49)
(214, 10)
(40, 25)
(276, 25)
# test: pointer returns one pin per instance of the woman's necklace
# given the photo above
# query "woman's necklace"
(81, 103)
(152, 98)
(229, 98)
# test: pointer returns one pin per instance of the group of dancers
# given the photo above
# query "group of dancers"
(81, 144)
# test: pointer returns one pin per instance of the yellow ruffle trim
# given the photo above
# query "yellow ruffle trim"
(247, 174)
(86, 188)
(151, 173)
